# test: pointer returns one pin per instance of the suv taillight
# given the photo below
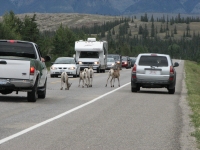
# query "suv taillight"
(32, 70)
(171, 73)
(134, 71)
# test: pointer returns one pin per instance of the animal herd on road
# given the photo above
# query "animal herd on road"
(86, 77)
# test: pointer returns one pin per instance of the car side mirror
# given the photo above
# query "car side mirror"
(176, 64)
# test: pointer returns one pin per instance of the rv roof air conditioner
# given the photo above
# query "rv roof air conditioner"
(91, 39)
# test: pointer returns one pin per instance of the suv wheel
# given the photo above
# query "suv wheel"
(171, 91)
(133, 89)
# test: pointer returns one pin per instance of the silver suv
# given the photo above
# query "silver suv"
(153, 71)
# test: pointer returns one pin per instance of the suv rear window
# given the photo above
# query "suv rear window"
(17, 49)
(153, 61)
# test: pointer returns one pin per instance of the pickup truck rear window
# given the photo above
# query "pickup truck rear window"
(17, 49)
(160, 61)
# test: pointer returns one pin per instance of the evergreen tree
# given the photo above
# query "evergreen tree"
(140, 30)
(63, 42)
(30, 31)
(161, 29)
(12, 25)
(152, 30)
(175, 30)
(113, 31)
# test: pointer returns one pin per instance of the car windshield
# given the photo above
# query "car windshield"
(116, 57)
(17, 49)
(64, 61)
(89, 54)
(133, 58)
(153, 61)
(124, 58)
(110, 60)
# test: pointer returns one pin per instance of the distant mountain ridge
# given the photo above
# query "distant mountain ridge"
(102, 7)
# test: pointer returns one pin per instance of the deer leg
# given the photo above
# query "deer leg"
(107, 80)
(91, 81)
(111, 81)
(83, 84)
(61, 84)
(79, 82)
(66, 85)
(118, 82)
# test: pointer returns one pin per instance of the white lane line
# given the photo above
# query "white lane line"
(57, 117)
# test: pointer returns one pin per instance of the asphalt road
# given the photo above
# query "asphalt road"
(96, 118)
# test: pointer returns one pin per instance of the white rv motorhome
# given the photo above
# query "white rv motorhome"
(91, 53)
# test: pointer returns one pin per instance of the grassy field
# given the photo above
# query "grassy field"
(192, 70)
(51, 22)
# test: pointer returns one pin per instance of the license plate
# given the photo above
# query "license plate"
(152, 72)
(62, 70)
(2, 81)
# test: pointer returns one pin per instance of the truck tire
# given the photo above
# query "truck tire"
(33, 95)
(43, 93)
(98, 70)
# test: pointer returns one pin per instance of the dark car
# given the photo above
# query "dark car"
(126, 62)
(133, 59)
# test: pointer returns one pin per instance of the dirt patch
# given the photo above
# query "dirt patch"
(51, 21)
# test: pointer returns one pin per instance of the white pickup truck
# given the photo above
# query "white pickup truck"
(22, 69)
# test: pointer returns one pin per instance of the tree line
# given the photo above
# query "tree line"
(117, 33)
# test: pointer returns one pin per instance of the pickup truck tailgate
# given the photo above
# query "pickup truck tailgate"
(17, 69)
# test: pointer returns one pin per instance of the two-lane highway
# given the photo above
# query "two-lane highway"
(94, 118)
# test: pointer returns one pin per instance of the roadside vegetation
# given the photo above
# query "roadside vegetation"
(193, 86)
(179, 37)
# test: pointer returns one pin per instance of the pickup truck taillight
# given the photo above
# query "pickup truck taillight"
(134, 71)
(32, 70)
(171, 73)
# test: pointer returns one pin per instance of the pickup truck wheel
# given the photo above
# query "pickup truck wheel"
(43, 93)
(33, 95)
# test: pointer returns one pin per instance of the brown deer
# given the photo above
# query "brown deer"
(114, 73)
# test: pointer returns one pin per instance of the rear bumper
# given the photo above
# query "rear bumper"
(124, 65)
(153, 83)
(16, 85)
(69, 72)
(94, 67)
